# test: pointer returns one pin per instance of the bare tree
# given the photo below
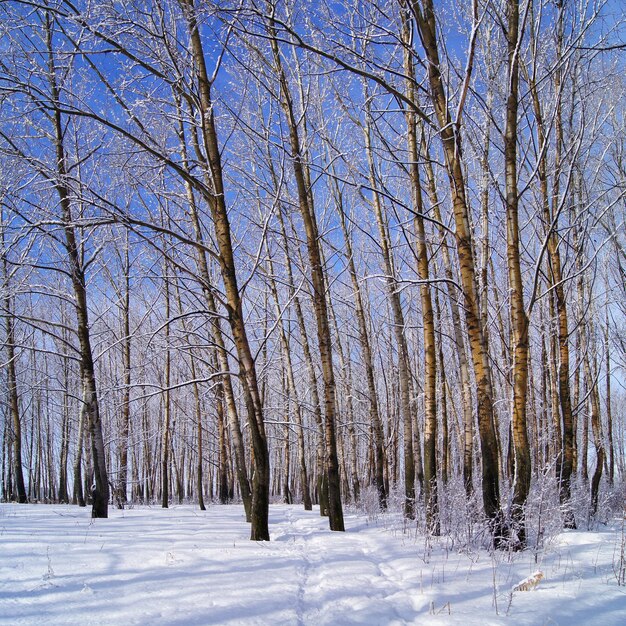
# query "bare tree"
(12, 393)
(217, 202)
(307, 211)
(100, 489)
(423, 272)
(518, 316)
(366, 351)
(449, 131)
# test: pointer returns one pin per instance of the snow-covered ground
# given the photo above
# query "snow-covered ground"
(183, 566)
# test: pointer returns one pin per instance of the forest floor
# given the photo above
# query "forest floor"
(147, 565)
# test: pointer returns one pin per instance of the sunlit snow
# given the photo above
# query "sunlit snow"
(183, 566)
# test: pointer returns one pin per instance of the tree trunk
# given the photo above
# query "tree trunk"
(596, 427)
(345, 366)
(322, 475)
(551, 210)
(199, 437)
(609, 414)
(65, 430)
(286, 471)
(451, 140)
(518, 316)
(13, 399)
(100, 489)
(464, 372)
(14, 406)
(320, 306)
(398, 333)
(443, 385)
(368, 362)
(216, 333)
(63, 455)
(222, 449)
(591, 375)
(7, 455)
(428, 316)
(78, 493)
(292, 391)
(165, 435)
(125, 434)
(215, 196)
(322, 482)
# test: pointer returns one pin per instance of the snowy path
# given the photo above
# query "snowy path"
(183, 566)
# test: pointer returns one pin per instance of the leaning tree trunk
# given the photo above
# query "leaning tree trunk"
(322, 478)
(453, 153)
(393, 295)
(216, 329)
(322, 474)
(345, 366)
(322, 481)
(100, 489)
(335, 511)
(292, 392)
(215, 194)
(368, 361)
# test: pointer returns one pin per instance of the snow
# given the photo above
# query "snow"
(184, 566)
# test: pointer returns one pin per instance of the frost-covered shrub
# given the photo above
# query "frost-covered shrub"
(462, 519)
(543, 511)
(368, 502)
